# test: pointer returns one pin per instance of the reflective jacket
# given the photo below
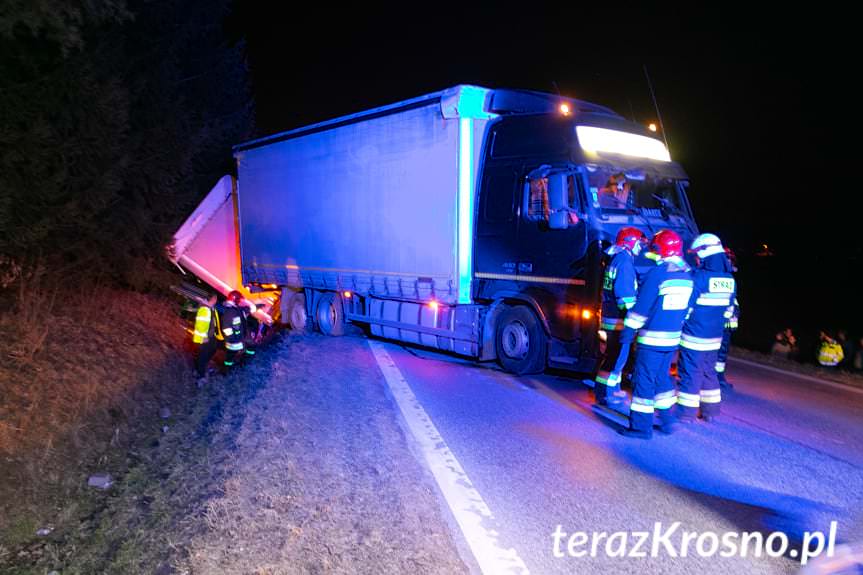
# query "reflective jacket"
(710, 306)
(662, 305)
(232, 326)
(830, 354)
(205, 325)
(619, 287)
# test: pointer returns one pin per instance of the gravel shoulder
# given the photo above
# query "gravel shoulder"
(322, 478)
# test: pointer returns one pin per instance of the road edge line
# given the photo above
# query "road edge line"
(471, 512)
(804, 376)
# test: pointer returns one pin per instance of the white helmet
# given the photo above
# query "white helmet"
(707, 245)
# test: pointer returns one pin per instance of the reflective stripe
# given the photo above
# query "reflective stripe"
(228, 331)
(664, 400)
(688, 399)
(250, 352)
(719, 366)
(607, 378)
(237, 321)
(712, 301)
(732, 324)
(700, 343)
(676, 290)
(658, 341)
(641, 405)
(612, 324)
(234, 346)
(625, 302)
(634, 320)
(659, 338)
(229, 363)
(711, 396)
(675, 284)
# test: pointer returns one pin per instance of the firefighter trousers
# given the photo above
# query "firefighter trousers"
(722, 355)
(206, 351)
(604, 388)
(653, 388)
(699, 383)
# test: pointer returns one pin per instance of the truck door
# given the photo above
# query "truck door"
(496, 246)
(545, 252)
(553, 260)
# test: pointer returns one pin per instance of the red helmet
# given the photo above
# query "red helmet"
(667, 244)
(629, 236)
(235, 297)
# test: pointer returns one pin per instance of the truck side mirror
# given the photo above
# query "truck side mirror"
(558, 201)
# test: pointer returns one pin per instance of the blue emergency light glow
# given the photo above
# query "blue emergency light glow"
(470, 105)
(465, 209)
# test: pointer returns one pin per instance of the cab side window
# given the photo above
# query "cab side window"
(536, 202)
(537, 199)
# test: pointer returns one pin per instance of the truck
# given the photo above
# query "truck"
(470, 220)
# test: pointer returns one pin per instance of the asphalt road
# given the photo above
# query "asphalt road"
(786, 455)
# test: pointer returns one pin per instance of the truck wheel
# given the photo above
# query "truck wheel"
(297, 317)
(520, 341)
(331, 315)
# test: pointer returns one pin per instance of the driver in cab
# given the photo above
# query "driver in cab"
(615, 192)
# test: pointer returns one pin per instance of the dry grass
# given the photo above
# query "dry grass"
(73, 358)
(79, 369)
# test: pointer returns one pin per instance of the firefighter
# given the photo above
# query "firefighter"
(711, 305)
(658, 315)
(251, 328)
(731, 321)
(205, 337)
(619, 287)
(231, 320)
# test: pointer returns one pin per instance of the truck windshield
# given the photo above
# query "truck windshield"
(614, 190)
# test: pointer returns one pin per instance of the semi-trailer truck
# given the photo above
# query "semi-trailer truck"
(471, 220)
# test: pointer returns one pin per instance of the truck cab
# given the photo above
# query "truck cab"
(559, 179)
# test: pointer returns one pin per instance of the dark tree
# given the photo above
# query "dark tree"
(115, 119)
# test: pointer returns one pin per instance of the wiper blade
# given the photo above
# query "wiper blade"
(632, 210)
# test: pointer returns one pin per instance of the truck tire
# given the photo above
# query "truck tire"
(330, 314)
(297, 318)
(520, 341)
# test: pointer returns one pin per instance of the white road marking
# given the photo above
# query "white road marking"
(467, 505)
(803, 376)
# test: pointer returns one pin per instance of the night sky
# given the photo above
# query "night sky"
(758, 114)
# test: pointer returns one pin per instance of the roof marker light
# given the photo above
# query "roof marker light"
(565, 109)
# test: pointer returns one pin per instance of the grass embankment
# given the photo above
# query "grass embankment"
(82, 381)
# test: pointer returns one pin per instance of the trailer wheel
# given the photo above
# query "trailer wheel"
(331, 314)
(297, 318)
(520, 341)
